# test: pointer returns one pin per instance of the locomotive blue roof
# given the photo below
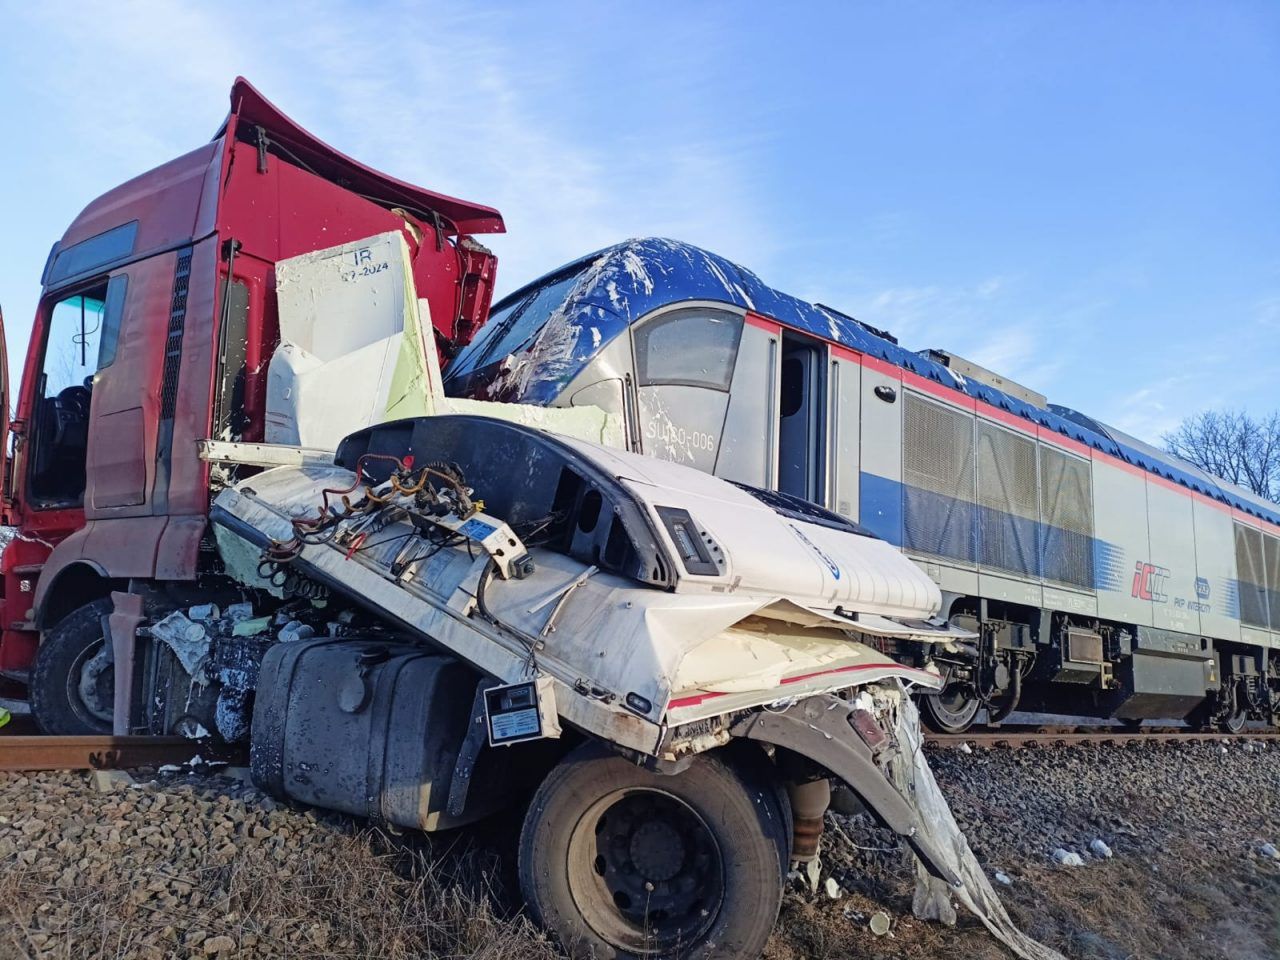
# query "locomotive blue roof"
(622, 283)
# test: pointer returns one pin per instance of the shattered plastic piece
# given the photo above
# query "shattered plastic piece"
(965, 748)
(1100, 850)
(1269, 850)
(880, 923)
(239, 611)
(188, 641)
(295, 630)
(204, 611)
(170, 768)
(833, 888)
(1003, 879)
(251, 628)
(1068, 858)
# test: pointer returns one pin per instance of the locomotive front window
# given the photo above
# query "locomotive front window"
(694, 347)
(515, 325)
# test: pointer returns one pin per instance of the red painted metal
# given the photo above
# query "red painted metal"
(276, 191)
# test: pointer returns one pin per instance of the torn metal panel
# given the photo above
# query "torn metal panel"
(910, 772)
(357, 347)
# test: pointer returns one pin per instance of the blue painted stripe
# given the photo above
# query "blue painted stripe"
(922, 521)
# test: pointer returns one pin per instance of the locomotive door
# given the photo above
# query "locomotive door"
(802, 419)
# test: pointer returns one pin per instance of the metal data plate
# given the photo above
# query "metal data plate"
(512, 713)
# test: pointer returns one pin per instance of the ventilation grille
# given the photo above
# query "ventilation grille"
(1066, 532)
(1272, 548)
(938, 471)
(1008, 518)
(173, 340)
(1251, 573)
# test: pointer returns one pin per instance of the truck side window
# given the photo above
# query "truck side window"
(80, 340)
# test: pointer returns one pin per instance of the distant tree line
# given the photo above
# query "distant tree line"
(1233, 445)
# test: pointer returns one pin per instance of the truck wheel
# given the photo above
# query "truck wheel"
(619, 862)
(73, 682)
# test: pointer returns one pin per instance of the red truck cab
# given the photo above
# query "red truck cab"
(155, 325)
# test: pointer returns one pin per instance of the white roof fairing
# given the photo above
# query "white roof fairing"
(812, 565)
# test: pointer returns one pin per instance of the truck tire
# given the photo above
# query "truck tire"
(620, 862)
(71, 692)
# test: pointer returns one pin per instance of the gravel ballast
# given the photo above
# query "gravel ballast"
(205, 866)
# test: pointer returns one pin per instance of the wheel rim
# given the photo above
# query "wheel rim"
(952, 710)
(645, 871)
(1236, 722)
(91, 686)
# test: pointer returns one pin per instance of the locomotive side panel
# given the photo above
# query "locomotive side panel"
(1121, 544)
(880, 470)
(1170, 574)
(1216, 572)
(845, 404)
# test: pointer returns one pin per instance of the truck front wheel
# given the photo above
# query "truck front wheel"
(73, 680)
(620, 862)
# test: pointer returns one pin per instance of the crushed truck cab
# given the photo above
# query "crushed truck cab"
(676, 666)
(659, 599)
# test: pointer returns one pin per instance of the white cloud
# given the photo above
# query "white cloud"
(429, 94)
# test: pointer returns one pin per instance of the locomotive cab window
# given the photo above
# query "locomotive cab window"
(694, 347)
(80, 339)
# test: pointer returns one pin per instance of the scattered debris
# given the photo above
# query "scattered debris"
(833, 888)
(188, 640)
(880, 923)
(106, 781)
(1100, 849)
(1068, 858)
(965, 748)
(1003, 878)
(1269, 850)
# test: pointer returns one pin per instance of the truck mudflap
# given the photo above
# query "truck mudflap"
(873, 743)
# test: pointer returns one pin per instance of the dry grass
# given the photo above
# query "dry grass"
(334, 892)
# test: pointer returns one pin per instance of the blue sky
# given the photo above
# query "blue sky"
(1084, 196)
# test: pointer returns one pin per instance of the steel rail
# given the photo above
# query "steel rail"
(32, 753)
(1014, 740)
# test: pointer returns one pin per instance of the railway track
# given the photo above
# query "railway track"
(1008, 739)
(31, 753)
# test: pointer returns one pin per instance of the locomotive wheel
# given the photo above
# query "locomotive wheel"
(951, 710)
(1235, 723)
(620, 862)
(73, 681)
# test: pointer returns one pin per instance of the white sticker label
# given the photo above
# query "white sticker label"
(510, 726)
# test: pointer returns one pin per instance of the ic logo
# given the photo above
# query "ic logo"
(1149, 582)
(1202, 588)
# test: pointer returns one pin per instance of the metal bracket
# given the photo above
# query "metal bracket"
(477, 739)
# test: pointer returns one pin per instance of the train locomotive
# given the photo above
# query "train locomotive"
(1102, 577)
